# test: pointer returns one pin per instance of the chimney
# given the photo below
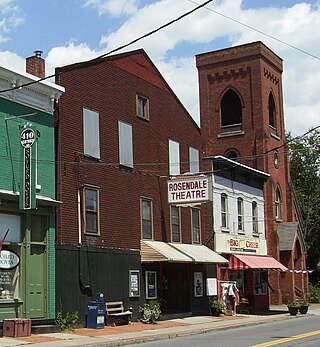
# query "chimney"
(35, 65)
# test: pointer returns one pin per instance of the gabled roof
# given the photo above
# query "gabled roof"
(135, 62)
(288, 233)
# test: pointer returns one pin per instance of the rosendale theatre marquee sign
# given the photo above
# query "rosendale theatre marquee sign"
(188, 190)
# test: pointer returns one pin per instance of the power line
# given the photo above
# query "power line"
(259, 31)
(70, 68)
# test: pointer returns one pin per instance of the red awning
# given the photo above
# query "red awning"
(259, 262)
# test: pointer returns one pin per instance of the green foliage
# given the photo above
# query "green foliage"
(291, 303)
(304, 153)
(314, 293)
(218, 304)
(150, 312)
(68, 322)
(303, 302)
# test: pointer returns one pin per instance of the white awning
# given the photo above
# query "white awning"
(199, 253)
(157, 251)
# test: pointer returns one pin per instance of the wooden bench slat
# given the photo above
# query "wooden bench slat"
(115, 310)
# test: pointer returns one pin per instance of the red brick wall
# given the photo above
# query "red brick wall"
(111, 90)
(252, 70)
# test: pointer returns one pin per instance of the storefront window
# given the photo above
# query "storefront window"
(9, 272)
(10, 256)
(260, 285)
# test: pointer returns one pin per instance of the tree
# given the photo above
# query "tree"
(304, 154)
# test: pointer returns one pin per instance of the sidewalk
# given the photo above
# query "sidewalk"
(139, 332)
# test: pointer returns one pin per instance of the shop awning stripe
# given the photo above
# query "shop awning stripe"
(244, 262)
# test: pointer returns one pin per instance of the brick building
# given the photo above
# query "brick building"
(242, 118)
(120, 134)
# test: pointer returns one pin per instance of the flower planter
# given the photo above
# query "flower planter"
(215, 312)
(303, 309)
(293, 310)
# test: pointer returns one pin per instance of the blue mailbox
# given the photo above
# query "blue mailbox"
(96, 313)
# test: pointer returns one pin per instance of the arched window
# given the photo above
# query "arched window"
(224, 211)
(240, 214)
(232, 154)
(255, 228)
(272, 111)
(278, 204)
(231, 111)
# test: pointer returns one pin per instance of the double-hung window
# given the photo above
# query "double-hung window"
(224, 211)
(195, 220)
(125, 144)
(91, 198)
(240, 214)
(91, 137)
(175, 224)
(146, 219)
(255, 228)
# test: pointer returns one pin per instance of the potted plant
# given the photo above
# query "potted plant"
(303, 306)
(150, 312)
(217, 307)
(293, 307)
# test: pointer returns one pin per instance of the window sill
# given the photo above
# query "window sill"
(92, 234)
(147, 119)
(240, 232)
(88, 156)
(225, 230)
(231, 133)
(255, 234)
(11, 301)
(274, 135)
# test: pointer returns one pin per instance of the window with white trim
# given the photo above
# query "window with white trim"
(224, 211)
(240, 214)
(193, 160)
(143, 107)
(125, 144)
(91, 137)
(146, 219)
(91, 222)
(175, 224)
(255, 227)
(278, 204)
(174, 158)
(195, 220)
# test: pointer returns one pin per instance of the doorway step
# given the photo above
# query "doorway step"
(175, 315)
(43, 326)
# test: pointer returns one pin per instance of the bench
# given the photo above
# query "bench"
(116, 315)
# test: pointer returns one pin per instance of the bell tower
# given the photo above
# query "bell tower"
(241, 108)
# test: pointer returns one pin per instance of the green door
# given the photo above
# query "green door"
(37, 279)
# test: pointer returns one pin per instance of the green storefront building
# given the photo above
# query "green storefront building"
(27, 196)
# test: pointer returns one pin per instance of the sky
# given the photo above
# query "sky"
(69, 31)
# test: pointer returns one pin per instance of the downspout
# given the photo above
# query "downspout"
(79, 219)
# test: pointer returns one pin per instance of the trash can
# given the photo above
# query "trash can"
(96, 313)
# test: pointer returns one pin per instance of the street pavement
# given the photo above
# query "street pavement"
(138, 332)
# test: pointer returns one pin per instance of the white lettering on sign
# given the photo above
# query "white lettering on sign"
(8, 259)
(188, 190)
(27, 138)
